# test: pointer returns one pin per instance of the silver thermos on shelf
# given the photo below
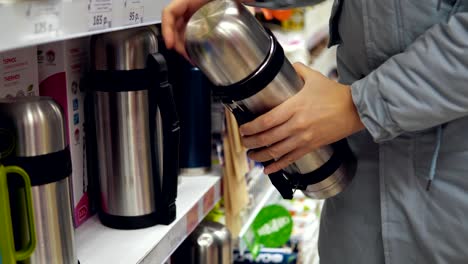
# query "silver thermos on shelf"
(209, 243)
(136, 129)
(37, 134)
(195, 123)
(252, 76)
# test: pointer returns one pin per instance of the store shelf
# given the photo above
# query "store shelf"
(27, 23)
(97, 244)
(269, 196)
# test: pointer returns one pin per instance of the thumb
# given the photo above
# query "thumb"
(301, 69)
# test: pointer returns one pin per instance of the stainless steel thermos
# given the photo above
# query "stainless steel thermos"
(283, 4)
(136, 129)
(38, 145)
(195, 123)
(209, 243)
(252, 76)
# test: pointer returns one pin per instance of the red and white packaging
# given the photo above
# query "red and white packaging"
(18, 71)
(61, 68)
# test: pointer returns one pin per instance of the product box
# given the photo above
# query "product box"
(18, 71)
(61, 67)
(267, 256)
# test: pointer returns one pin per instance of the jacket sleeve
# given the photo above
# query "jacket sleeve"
(422, 87)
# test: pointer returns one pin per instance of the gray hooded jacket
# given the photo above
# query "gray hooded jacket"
(407, 64)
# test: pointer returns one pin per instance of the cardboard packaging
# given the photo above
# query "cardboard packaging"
(61, 68)
(18, 70)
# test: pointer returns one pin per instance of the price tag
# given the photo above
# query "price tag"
(45, 25)
(44, 18)
(133, 12)
(99, 14)
(99, 21)
(192, 218)
(208, 200)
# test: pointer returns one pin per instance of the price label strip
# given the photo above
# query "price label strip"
(44, 17)
(99, 14)
(133, 12)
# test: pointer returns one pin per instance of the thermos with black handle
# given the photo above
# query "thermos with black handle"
(252, 76)
(136, 129)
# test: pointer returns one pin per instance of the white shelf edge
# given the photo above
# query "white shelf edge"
(97, 244)
(270, 196)
(266, 198)
(70, 19)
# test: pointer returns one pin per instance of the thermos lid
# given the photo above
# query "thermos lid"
(123, 49)
(37, 124)
(226, 41)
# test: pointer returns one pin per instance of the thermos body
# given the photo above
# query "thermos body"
(195, 123)
(136, 129)
(125, 153)
(210, 243)
(41, 149)
(252, 76)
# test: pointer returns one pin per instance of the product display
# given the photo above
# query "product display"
(236, 167)
(40, 148)
(18, 72)
(61, 68)
(8, 253)
(305, 213)
(195, 124)
(114, 148)
(209, 243)
(217, 130)
(300, 247)
(252, 76)
(137, 129)
(267, 256)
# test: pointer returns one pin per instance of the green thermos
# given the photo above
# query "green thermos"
(8, 253)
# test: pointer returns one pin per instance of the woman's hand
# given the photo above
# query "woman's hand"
(322, 113)
(174, 21)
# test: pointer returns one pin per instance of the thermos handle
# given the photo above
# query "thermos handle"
(27, 251)
(171, 135)
(91, 144)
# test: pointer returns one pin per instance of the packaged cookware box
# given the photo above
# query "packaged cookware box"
(18, 70)
(61, 68)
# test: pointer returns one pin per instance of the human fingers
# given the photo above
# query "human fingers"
(275, 151)
(268, 137)
(273, 118)
(179, 45)
(286, 160)
(173, 12)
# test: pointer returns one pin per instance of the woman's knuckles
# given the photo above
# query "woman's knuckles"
(301, 122)
(274, 152)
(262, 140)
